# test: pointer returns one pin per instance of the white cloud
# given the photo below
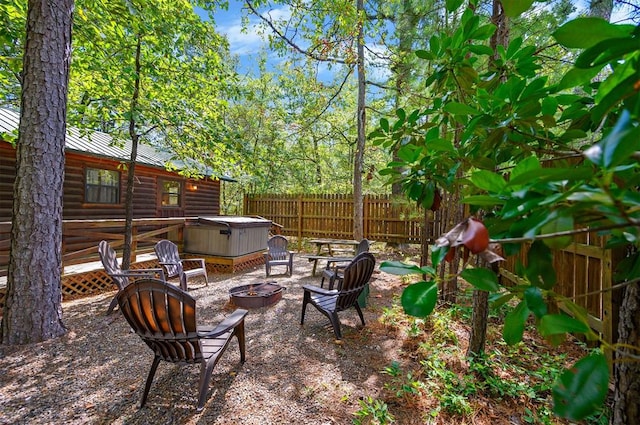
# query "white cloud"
(249, 40)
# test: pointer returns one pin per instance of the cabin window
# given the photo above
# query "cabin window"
(102, 186)
(171, 193)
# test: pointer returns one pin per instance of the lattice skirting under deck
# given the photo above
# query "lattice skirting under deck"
(97, 281)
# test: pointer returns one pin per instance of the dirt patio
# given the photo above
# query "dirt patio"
(292, 375)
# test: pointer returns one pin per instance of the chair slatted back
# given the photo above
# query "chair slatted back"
(277, 246)
(363, 246)
(164, 317)
(167, 252)
(356, 275)
(110, 264)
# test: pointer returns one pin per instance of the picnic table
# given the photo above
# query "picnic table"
(326, 249)
(329, 258)
(334, 246)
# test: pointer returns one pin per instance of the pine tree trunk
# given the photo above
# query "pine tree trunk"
(626, 409)
(33, 306)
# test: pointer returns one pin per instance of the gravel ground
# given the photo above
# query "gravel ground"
(293, 375)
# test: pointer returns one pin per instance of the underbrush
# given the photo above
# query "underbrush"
(434, 382)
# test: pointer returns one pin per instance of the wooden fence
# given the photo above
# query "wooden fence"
(584, 275)
(331, 216)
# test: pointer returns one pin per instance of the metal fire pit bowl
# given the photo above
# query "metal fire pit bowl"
(256, 295)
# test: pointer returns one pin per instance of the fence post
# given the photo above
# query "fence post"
(365, 216)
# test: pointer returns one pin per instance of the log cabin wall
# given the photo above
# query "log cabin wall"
(7, 177)
(197, 197)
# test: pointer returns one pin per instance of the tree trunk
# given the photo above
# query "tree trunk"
(478, 323)
(128, 222)
(33, 305)
(601, 8)
(626, 409)
(358, 208)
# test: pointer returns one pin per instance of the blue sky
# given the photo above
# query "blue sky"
(246, 45)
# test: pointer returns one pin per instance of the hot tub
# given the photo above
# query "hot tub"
(227, 236)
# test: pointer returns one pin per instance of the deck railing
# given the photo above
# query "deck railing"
(80, 238)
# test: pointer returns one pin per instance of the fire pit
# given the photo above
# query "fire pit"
(256, 295)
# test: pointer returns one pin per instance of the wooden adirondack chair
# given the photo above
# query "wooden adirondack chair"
(121, 278)
(168, 257)
(278, 255)
(164, 316)
(332, 301)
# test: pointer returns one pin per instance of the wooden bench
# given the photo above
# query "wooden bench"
(328, 258)
(336, 246)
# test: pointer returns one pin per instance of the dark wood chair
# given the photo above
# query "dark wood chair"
(164, 316)
(278, 255)
(121, 278)
(168, 257)
(332, 301)
(334, 269)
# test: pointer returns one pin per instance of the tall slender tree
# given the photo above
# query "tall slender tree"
(153, 72)
(33, 310)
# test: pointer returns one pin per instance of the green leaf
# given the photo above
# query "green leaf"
(528, 164)
(399, 268)
(552, 174)
(480, 49)
(558, 224)
(552, 324)
(513, 8)
(456, 108)
(514, 323)
(577, 77)
(514, 46)
(483, 32)
(423, 54)
(488, 181)
(583, 33)
(549, 106)
(408, 153)
(617, 146)
(481, 278)
(535, 301)
(482, 200)
(419, 299)
(453, 5)
(540, 271)
(606, 51)
(501, 300)
(384, 124)
(440, 145)
(582, 389)
(438, 254)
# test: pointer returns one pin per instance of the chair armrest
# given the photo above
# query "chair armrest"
(229, 322)
(194, 260)
(141, 273)
(318, 290)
